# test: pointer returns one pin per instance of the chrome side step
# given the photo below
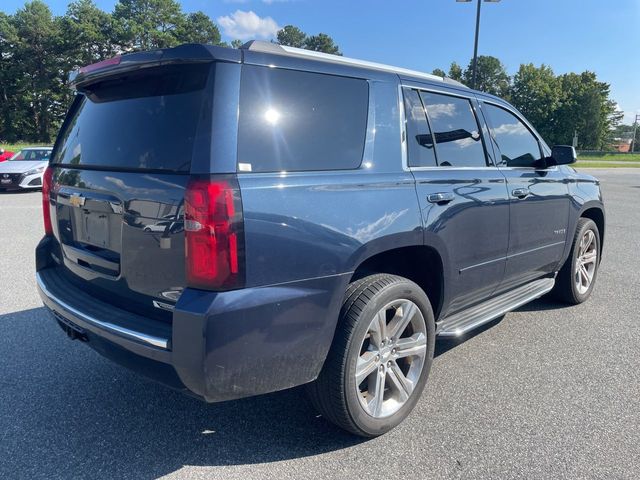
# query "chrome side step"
(461, 322)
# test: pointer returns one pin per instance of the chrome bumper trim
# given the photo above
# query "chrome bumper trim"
(157, 342)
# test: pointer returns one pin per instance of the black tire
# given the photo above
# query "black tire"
(335, 393)
(565, 288)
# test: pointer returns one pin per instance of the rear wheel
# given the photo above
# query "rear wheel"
(381, 356)
(578, 275)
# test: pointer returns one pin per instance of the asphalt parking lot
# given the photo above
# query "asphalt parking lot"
(546, 392)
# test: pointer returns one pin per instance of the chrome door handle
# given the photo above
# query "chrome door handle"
(440, 198)
(520, 192)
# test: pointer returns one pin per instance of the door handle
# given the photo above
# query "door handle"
(520, 192)
(440, 198)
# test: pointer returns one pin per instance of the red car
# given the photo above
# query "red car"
(5, 155)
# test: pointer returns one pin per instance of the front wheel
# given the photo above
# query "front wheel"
(577, 277)
(380, 359)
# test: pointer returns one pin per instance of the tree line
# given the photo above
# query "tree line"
(559, 106)
(38, 50)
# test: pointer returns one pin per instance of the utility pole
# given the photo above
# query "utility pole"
(635, 131)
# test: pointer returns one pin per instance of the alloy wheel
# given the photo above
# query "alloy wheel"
(586, 262)
(392, 356)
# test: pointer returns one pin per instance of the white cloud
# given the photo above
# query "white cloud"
(511, 129)
(247, 25)
(438, 110)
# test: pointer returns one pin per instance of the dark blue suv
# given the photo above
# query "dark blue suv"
(236, 222)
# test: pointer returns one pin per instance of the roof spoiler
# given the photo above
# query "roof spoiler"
(188, 53)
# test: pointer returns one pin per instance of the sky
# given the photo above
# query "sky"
(568, 35)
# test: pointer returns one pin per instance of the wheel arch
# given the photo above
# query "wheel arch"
(595, 212)
(422, 264)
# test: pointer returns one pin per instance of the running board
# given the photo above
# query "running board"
(461, 322)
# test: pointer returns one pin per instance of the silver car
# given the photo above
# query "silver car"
(25, 169)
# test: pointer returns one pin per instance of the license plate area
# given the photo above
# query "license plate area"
(95, 229)
(90, 230)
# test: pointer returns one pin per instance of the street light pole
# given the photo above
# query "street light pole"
(475, 46)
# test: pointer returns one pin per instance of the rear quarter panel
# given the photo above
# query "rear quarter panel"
(305, 233)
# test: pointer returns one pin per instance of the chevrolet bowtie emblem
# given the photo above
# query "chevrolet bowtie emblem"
(76, 200)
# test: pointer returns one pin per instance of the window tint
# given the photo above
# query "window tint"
(147, 120)
(456, 131)
(292, 120)
(419, 138)
(518, 147)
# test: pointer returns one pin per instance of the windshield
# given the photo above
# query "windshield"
(31, 156)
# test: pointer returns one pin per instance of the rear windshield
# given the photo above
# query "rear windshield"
(31, 156)
(143, 120)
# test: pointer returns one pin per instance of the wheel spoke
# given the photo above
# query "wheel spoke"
(375, 405)
(585, 276)
(400, 384)
(398, 323)
(589, 257)
(378, 328)
(413, 346)
(582, 247)
(589, 240)
(365, 366)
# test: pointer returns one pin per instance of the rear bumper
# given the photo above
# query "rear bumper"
(92, 316)
(220, 345)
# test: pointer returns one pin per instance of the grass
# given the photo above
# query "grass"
(597, 164)
(611, 157)
(16, 147)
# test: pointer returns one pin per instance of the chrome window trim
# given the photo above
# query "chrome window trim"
(529, 127)
(493, 168)
(441, 91)
(403, 130)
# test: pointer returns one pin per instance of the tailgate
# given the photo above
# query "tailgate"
(120, 169)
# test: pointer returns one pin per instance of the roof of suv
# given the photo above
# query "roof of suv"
(267, 47)
(190, 53)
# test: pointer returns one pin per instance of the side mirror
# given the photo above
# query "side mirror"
(562, 155)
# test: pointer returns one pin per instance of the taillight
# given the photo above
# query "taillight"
(47, 180)
(213, 224)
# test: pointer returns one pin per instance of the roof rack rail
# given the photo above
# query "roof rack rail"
(270, 47)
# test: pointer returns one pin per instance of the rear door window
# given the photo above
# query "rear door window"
(455, 130)
(420, 143)
(296, 121)
(143, 120)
